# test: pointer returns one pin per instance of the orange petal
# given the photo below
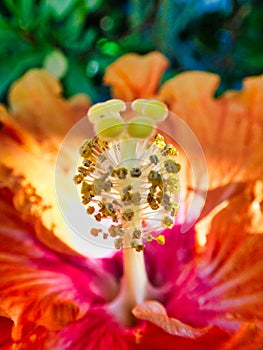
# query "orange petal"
(32, 286)
(154, 312)
(14, 131)
(32, 208)
(232, 266)
(35, 163)
(39, 286)
(133, 76)
(230, 128)
(36, 102)
(249, 337)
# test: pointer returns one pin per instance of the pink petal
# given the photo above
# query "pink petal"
(223, 285)
(173, 268)
(177, 253)
(97, 330)
(154, 312)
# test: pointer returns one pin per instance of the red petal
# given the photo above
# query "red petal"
(248, 337)
(5, 332)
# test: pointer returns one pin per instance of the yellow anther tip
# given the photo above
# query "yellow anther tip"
(140, 127)
(160, 239)
(109, 127)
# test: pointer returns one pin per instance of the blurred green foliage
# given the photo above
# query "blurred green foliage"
(77, 39)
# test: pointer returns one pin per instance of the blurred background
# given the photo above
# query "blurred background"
(77, 39)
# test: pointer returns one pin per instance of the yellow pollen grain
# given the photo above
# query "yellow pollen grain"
(160, 239)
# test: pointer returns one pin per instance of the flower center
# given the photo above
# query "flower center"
(132, 183)
(129, 179)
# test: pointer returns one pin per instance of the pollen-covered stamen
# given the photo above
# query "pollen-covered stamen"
(128, 181)
(137, 193)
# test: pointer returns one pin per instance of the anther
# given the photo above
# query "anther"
(128, 215)
(160, 239)
(95, 231)
(153, 159)
(111, 191)
(167, 222)
(121, 173)
(90, 210)
(171, 166)
(149, 237)
(155, 178)
(78, 179)
(135, 172)
(159, 141)
(140, 248)
(118, 243)
(136, 233)
(136, 198)
(98, 217)
(170, 150)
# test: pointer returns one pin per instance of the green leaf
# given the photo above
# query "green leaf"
(61, 8)
(84, 43)
(73, 24)
(76, 81)
(12, 67)
(8, 35)
(5, 26)
(93, 5)
(26, 12)
(12, 7)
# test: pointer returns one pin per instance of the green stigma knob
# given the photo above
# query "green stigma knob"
(108, 122)
(97, 111)
(140, 127)
(153, 109)
(116, 105)
(109, 127)
(110, 108)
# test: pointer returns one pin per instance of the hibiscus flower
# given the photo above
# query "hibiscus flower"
(207, 285)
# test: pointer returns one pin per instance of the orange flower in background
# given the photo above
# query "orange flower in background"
(210, 295)
(134, 76)
(229, 128)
